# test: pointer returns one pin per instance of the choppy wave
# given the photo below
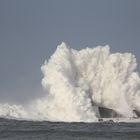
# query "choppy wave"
(84, 85)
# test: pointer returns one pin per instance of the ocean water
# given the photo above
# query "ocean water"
(81, 85)
(35, 130)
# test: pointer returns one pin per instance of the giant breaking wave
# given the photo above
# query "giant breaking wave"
(84, 86)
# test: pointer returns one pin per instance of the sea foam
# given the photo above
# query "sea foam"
(78, 83)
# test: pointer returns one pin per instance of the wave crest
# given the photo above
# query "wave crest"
(80, 83)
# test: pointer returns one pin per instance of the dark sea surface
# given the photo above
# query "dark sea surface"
(31, 130)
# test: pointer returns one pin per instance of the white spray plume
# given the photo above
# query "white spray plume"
(78, 82)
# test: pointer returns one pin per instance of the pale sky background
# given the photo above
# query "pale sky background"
(30, 30)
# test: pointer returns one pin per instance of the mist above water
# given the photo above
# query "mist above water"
(84, 85)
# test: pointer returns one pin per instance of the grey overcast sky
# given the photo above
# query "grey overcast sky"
(30, 30)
